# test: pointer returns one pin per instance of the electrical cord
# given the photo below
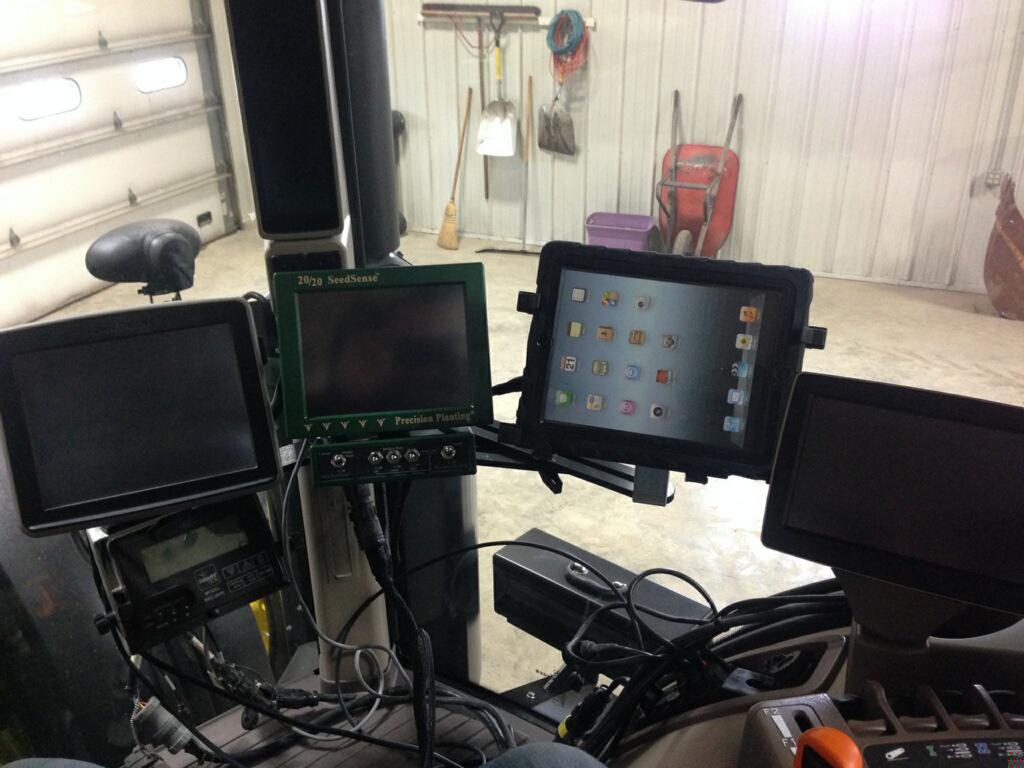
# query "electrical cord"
(374, 543)
(567, 39)
(305, 610)
(273, 714)
(213, 750)
(276, 401)
(645, 685)
(633, 612)
(196, 734)
(473, 548)
(648, 668)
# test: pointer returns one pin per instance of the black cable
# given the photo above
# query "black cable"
(291, 721)
(136, 675)
(632, 609)
(508, 387)
(259, 707)
(216, 751)
(285, 535)
(603, 739)
(373, 541)
(473, 548)
(759, 636)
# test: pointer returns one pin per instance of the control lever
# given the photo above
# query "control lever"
(827, 748)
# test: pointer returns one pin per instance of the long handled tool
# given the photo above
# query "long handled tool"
(526, 175)
(568, 40)
(498, 126)
(526, 153)
(481, 58)
(448, 237)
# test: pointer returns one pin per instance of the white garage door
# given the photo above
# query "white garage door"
(109, 113)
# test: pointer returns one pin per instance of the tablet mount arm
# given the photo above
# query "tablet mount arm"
(498, 444)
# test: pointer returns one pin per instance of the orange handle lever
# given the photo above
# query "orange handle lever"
(827, 748)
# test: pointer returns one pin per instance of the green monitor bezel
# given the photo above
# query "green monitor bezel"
(288, 286)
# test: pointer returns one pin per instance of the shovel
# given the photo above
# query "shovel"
(555, 131)
(497, 133)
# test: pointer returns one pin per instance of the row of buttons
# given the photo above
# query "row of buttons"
(392, 456)
(250, 578)
(242, 566)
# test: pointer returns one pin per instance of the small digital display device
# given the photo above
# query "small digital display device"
(378, 351)
(917, 488)
(661, 360)
(177, 572)
(181, 553)
(114, 416)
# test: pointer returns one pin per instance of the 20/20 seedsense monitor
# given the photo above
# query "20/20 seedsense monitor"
(661, 360)
(376, 351)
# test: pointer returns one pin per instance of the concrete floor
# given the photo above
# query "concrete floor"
(933, 339)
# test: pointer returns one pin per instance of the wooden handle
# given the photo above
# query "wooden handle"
(462, 141)
(483, 97)
(529, 117)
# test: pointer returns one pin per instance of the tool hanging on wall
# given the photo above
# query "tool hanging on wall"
(448, 237)
(481, 59)
(526, 174)
(498, 125)
(477, 10)
(568, 40)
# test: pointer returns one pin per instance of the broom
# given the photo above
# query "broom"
(448, 237)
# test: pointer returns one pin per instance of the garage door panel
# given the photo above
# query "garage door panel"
(68, 186)
(75, 172)
(42, 27)
(54, 274)
(106, 86)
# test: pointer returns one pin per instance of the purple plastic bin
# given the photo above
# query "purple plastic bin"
(621, 230)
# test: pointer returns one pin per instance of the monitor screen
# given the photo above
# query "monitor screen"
(184, 551)
(918, 488)
(651, 357)
(183, 386)
(896, 482)
(385, 349)
(106, 415)
(375, 351)
(660, 360)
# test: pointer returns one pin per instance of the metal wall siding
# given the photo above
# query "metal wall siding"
(868, 125)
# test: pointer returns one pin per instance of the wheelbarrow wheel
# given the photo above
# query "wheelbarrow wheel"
(683, 244)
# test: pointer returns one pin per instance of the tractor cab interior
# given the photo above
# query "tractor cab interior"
(321, 441)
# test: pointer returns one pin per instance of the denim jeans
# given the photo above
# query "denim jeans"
(545, 756)
(530, 756)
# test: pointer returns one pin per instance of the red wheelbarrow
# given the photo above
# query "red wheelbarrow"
(697, 190)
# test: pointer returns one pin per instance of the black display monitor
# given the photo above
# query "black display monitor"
(376, 351)
(917, 488)
(129, 414)
(661, 360)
